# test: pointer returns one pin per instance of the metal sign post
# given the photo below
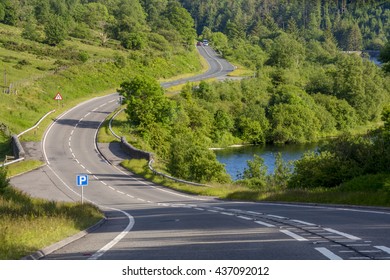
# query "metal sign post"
(58, 97)
(82, 181)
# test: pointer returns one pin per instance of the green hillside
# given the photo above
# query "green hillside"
(83, 49)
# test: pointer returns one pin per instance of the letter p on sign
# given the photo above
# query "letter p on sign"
(82, 180)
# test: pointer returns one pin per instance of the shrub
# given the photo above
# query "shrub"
(4, 182)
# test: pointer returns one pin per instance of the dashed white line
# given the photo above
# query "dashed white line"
(384, 249)
(227, 213)
(140, 199)
(275, 216)
(264, 224)
(111, 188)
(200, 209)
(255, 213)
(303, 222)
(130, 196)
(349, 236)
(213, 211)
(245, 218)
(294, 235)
(120, 192)
(104, 183)
(82, 166)
(330, 255)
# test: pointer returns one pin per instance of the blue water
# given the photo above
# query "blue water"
(235, 159)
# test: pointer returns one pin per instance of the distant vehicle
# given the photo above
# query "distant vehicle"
(199, 44)
(205, 42)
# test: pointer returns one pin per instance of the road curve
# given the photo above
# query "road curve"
(146, 221)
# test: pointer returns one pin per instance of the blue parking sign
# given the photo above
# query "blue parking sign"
(82, 180)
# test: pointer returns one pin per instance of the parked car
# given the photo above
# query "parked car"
(205, 42)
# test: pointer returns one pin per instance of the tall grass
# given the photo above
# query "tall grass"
(369, 190)
(28, 224)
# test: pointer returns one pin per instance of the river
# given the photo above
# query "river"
(235, 159)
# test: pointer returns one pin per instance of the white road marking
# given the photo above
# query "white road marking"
(227, 213)
(264, 224)
(140, 199)
(330, 255)
(275, 216)
(200, 209)
(303, 222)
(130, 196)
(349, 236)
(245, 218)
(120, 192)
(383, 248)
(111, 188)
(213, 211)
(255, 213)
(294, 235)
(119, 237)
(82, 166)
(104, 183)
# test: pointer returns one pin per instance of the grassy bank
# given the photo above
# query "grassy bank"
(28, 224)
(370, 190)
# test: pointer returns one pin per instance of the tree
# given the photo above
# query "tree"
(182, 21)
(286, 52)
(146, 102)
(255, 175)
(56, 30)
(192, 160)
(282, 173)
(9, 10)
(384, 57)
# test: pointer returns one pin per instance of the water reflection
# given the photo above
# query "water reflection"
(235, 159)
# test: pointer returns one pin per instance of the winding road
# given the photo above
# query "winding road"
(145, 221)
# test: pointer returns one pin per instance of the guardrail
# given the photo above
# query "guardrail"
(145, 155)
(11, 162)
(17, 146)
(36, 125)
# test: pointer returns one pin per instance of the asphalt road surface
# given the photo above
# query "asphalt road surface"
(146, 221)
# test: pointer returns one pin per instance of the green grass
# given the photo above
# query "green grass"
(22, 167)
(5, 147)
(140, 167)
(80, 81)
(28, 224)
(369, 190)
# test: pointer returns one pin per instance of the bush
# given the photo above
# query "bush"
(4, 182)
(323, 169)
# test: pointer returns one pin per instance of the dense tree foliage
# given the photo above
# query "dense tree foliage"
(354, 24)
(129, 21)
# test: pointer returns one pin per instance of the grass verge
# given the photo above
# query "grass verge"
(28, 224)
(369, 190)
